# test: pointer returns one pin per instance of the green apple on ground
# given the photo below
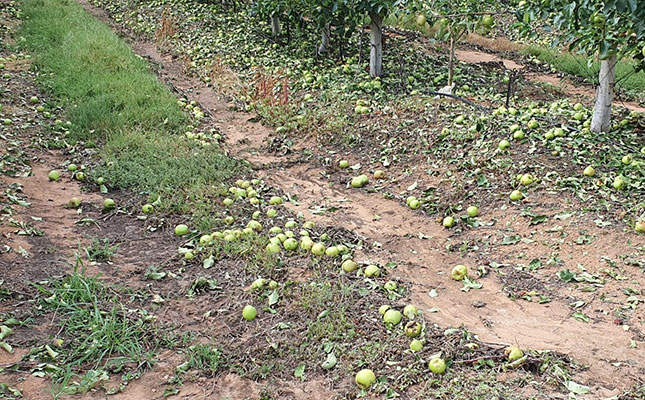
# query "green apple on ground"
(589, 171)
(416, 345)
(275, 200)
(526, 179)
(205, 239)
(518, 135)
(379, 174)
(189, 255)
(410, 311)
(627, 160)
(108, 204)
(343, 164)
(147, 208)
(306, 243)
(54, 175)
(448, 222)
(332, 251)
(80, 176)
(619, 183)
(181, 230)
(365, 378)
(392, 317)
(487, 21)
(318, 249)
(459, 272)
(349, 265)
(273, 248)
(514, 353)
(516, 195)
(290, 244)
(640, 226)
(383, 309)
(413, 329)
(437, 366)
(249, 313)
(359, 181)
(414, 204)
(421, 20)
(504, 144)
(258, 284)
(72, 167)
(390, 285)
(472, 211)
(74, 202)
(372, 271)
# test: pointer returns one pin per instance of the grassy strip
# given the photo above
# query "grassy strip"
(114, 99)
(577, 65)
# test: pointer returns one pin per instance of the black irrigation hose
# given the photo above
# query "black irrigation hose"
(462, 99)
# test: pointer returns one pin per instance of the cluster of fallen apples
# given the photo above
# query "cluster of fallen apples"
(283, 239)
(528, 117)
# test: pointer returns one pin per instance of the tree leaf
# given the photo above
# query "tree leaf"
(330, 362)
(300, 372)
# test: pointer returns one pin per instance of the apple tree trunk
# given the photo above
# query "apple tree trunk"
(451, 61)
(275, 25)
(376, 44)
(601, 120)
(325, 38)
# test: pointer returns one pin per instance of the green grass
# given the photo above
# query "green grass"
(577, 65)
(98, 336)
(114, 99)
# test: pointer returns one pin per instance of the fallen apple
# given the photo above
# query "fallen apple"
(383, 309)
(249, 313)
(532, 124)
(80, 176)
(54, 175)
(421, 20)
(513, 353)
(205, 239)
(516, 195)
(619, 183)
(437, 366)
(290, 244)
(74, 202)
(228, 202)
(147, 208)
(318, 249)
(392, 317)
(459, 272)
(343, 164)
(108, 204)
(306, 243)
(410, 311)
(359, 181)
(372, 270)
(379, 174)
(412, 329)
(349, 265)
(332, 251)
(273, 247)
(589, 171)
(627, 160)
(518, 135)
(448, 222)
(472, 211)
(414, 204)
(503, 145)
(365, 378)
(640, 226)
(390, 285)
(275, 200)
(258, 284)
(526, 179)
(416, 345)
(180, 230)
(72, 167)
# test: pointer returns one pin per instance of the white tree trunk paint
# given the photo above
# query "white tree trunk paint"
(275, 25)
(325, 38)
(601, 120)
(376, 44)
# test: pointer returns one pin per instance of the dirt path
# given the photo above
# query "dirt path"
(424, 261)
